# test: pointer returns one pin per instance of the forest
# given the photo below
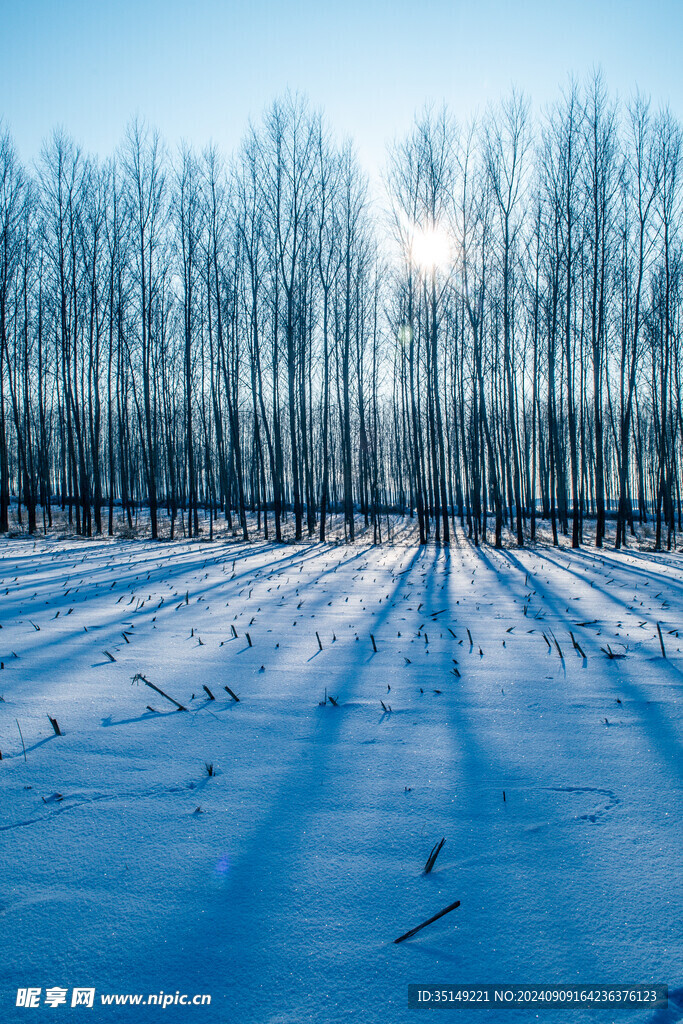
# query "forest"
(492, 341)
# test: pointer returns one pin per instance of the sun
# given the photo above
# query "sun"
(430, 248)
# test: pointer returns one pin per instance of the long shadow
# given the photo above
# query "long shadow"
(251, 895)
(176, 570)
(481, 773)
(480, 762)
(148, 716)
(612, 560)
(662, 735)
(610, 594)
(299, 793)
(41, 743)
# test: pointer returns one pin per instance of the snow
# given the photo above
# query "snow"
(278, 884)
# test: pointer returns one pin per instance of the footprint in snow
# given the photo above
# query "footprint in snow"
(601, 810)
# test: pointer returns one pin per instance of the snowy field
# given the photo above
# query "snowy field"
(278, 882)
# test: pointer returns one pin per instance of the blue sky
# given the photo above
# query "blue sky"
(198, 70)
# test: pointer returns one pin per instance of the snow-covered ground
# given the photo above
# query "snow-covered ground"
(278, 884)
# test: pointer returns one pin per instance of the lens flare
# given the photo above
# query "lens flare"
(223, 865)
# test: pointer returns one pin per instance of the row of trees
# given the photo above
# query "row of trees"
(502, 337)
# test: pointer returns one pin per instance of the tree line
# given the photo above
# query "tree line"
(497, 338)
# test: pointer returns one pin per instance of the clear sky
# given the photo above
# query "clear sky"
(199, 69)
